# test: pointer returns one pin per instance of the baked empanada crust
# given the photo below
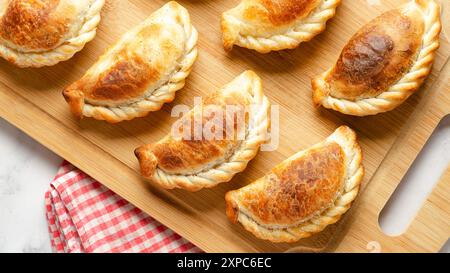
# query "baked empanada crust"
(43, 33)
(267, 25)
(192, 164)
(141, 72)
(305, 193)
(384, 63)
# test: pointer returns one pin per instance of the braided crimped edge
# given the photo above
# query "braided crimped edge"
(63, 52)
(346, 138)
(256, 135)
(398, 92)
(163, 94)
(301, 31)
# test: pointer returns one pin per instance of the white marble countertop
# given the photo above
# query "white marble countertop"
(26, 169)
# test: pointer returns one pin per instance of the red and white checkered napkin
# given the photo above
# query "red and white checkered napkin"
(85, 216)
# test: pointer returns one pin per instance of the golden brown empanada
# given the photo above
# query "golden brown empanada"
(35, 33)
(305, 193)
(266, 25)
(141, 72)
(384, 63)
(203, 162)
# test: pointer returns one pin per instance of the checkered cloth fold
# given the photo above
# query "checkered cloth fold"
(85, 216)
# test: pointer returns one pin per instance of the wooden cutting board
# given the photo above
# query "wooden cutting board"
(31, 100)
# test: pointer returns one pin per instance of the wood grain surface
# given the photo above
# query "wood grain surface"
(31, 100)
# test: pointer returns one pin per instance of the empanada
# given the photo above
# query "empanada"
(266, 25)
(302, 195)
(192, 163)
(384, 63)
(35, 33)
(141, 72)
